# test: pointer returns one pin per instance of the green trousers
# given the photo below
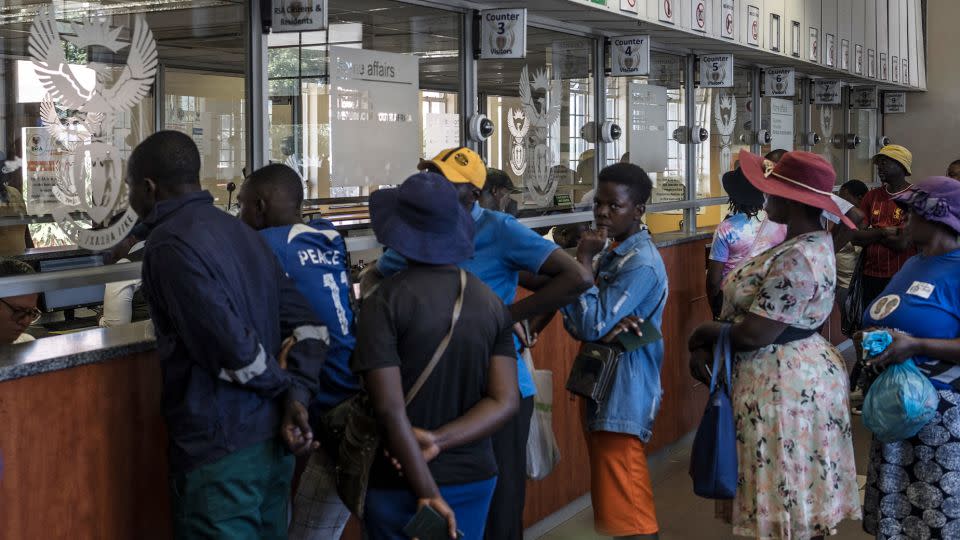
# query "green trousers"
(242, 496)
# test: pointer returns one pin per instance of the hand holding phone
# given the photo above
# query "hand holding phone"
(434, 521)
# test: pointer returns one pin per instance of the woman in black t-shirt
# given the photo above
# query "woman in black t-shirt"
(469, 394)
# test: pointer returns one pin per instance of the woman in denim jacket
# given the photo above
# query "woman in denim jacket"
(631, 285)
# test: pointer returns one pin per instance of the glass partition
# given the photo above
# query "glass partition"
(729, 113)
(652, 112)
(828, 122)
(84, 96)
(542, 107)
(864, 123)
(355, 107)
(79, 89)
(209, 107)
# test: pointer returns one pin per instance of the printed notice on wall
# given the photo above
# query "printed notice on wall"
(894, 102)
(716, 71)
(42, 155)
(299, 15)
(728, 18)
(647, 136)
(781, 124)
(629, 6)
(753, 25)
(374, 116)
(629, 55)
(503, 33)
(698, 15)
(667, 11)
(779, 82)
(440, 131)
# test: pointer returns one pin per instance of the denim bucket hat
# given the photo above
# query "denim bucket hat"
(423, 220)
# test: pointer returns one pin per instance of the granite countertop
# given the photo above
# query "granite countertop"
(86, 347)
(101, 344)
(663, 240)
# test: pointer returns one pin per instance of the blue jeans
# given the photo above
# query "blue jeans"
(389, 510)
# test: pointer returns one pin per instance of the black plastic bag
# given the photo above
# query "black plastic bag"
(851, 312)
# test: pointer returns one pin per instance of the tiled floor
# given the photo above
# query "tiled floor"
(683, 515)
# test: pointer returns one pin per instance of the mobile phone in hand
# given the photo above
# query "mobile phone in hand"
(427, 524)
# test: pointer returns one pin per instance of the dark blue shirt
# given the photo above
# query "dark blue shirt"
(221, 306)
(923, 300)
(315, 257)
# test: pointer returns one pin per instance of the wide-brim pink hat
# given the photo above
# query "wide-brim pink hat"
(803, 177)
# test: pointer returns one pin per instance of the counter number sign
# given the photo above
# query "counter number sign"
(503, 33)
(827, 92)
(779, 82)
(298, 16)
(864, 97)
(716, 71)
(894, 102)
(728, 18)
(629, 55)
(629, 6)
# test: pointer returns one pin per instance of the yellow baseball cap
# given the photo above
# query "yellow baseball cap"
(897, 153)
(459, 165)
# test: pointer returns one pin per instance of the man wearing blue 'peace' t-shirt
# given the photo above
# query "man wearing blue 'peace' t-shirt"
(503, 249)
(314, 256)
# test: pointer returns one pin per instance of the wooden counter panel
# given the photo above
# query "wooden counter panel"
(84, 453)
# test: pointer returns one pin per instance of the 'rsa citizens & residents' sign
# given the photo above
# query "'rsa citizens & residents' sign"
(299, 15)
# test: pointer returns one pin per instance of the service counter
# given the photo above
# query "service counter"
(83, 443)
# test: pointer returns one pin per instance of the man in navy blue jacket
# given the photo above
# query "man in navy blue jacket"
(222, 306)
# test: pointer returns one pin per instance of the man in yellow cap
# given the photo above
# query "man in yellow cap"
(504, 250)
(886, 248)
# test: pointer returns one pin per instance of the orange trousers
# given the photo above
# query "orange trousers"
(620, 485)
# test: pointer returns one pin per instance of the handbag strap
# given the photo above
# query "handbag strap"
(442, 348)
(721, 353)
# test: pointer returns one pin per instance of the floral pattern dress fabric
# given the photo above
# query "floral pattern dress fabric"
(797, 477)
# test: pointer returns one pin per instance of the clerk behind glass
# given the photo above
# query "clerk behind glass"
(17, 313)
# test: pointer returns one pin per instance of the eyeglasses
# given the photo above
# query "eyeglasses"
(19, 314)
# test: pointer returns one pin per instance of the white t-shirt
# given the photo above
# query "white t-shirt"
(844, 205)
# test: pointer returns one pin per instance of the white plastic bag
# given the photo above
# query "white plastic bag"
(542, 450)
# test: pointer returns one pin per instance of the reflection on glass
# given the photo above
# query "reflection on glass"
(197, 37)
(209, 108)
(828, 123)
(542, 109)
(711, 216)
(728, 112)
(652, 113)
(301, 126)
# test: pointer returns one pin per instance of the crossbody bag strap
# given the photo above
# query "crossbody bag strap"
(442, 348)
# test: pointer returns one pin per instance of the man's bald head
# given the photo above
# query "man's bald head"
(271, 196)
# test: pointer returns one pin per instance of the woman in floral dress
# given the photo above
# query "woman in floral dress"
(797, 478)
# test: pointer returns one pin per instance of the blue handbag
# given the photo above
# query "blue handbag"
(713, 458)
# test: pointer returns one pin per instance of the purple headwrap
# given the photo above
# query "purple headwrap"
(936, 198)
